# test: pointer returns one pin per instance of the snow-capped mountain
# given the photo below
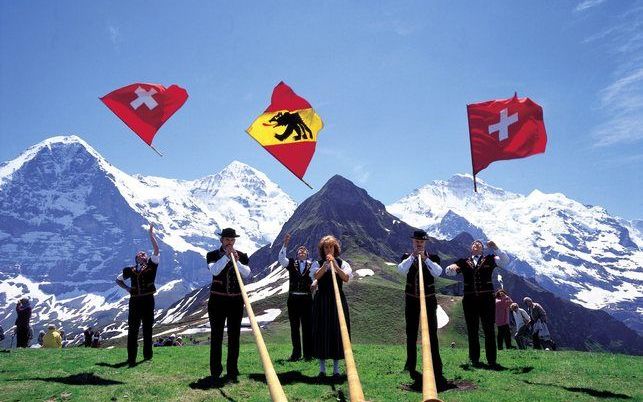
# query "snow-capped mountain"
(69, 221)
(577, 251)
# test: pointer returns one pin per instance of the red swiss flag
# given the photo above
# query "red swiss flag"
(145, 107)
(505, 129)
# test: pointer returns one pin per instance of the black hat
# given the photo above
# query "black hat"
(228, 232)
(420, 235)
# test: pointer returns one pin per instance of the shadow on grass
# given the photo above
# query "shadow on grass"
(293, 377)
(75, 379)
(482, 366)
(296, 377)
(112, 365)
(207, 383)
(589, 391)
(416, 385)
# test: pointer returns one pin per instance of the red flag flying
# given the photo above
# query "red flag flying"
(145, 107)
(505, 129)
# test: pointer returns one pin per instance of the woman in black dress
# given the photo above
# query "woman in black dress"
(327, 339)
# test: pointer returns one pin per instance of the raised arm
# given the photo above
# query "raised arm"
(153, 240)
(502, 259)
(283, 259)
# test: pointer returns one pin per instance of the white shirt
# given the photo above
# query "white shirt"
(155, 259)
(520, 317)
(346, 268)
(285, 261)
(217, 266)
(405, 265)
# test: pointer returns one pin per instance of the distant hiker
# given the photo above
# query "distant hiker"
(1, 334)
(226, 303)
(170, 341)
(430, 268)
(521, 322)
(52, 338)
(327, 338)
(503, 301)
(179, 341)
(141, 301)
(478, 300)
(62, 336)
(159, 342)
(23, 311)
(96, 338)
(300, 300)
(88, 337)
(41, 335)
(540, 332)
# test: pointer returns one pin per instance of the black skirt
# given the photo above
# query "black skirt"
(327, 338)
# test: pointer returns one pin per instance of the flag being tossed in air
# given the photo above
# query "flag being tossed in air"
(145, 107)
(505, 129)
(288, 130)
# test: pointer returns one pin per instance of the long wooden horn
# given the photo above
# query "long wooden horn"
(276, 390)
(429, 389)
(354, 385)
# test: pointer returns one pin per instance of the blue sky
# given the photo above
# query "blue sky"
(390, 80)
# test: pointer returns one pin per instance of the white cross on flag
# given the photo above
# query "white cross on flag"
(145, 107)
(505, 129)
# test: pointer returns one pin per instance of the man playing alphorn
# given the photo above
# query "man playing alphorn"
(430, 268)
(300, 300)
(226, 303)
(478, 300)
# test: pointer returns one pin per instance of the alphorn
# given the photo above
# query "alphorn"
(429, 389)
(276, 390)
(354, 385)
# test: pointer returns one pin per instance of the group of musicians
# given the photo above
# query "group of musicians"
(314, 322)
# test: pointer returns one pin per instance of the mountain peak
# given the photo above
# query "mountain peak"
(60, 148)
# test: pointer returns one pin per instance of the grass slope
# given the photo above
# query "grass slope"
(80, 374)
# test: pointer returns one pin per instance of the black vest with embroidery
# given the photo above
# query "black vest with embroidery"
(299, 281)
(325, 283)
(142, 282)
(226, 282)
(477, 279)
(413, 278)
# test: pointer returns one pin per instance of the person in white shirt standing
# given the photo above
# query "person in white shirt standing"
(478, 299)
(226, 303)
(522, 321)
(430, 269)
(141, 301)
(300, 300)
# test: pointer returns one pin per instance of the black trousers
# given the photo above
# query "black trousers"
(300, 312)
(22, 337)
(222, 309)
(141, 309)
(504, 335)
(480, 309)
(412, 315)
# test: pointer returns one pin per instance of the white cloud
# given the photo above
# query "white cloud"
(621, 101)
(114, 34)
(587, 4)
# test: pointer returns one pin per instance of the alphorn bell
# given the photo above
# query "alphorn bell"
(429, 389)
(354, 385)
(276, 390)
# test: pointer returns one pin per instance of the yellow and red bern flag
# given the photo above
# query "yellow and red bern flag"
(288, 129)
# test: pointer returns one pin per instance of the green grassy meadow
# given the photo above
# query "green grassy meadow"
(79, 374)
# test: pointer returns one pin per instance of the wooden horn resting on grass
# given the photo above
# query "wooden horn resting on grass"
(276, 391)
(354, 385)
(429, 389)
